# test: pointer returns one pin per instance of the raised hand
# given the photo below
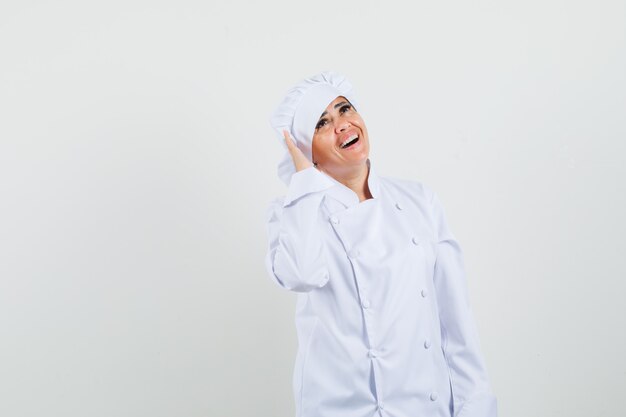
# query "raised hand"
(299, 159)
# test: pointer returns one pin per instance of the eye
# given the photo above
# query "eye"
(321, 123)
(342, 110)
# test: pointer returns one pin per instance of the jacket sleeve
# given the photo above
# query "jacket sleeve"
(471, 389)
(296, 256)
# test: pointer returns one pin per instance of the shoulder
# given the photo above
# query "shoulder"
(274, 207)
(407, 189)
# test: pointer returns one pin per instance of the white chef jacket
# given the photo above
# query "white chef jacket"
(383, 316)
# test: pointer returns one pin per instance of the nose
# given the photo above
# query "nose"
(343, 126)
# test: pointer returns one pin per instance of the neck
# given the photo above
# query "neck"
(356, 180)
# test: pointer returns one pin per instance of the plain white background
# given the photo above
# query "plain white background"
(137, 161)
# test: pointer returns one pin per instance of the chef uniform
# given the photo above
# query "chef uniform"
(383, 316)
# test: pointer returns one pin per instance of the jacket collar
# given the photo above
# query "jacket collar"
(348, 197)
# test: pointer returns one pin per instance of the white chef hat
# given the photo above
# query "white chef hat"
(300, 110)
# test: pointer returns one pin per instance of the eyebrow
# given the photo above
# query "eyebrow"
(336, 105)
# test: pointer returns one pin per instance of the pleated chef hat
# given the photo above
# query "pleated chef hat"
(300, 110)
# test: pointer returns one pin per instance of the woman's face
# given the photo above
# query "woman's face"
(338, 125)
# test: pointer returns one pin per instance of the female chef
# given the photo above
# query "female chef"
(383, 316)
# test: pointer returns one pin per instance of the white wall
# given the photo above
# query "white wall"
(136, 163)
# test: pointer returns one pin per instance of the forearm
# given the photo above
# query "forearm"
(296, 257)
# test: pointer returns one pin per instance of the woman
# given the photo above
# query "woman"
(383, 316)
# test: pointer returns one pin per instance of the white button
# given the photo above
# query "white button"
(380, 405)
(424, 292)
(415, 240)
(427, 343)
(399, 206)
(365, 303)
(354, 253)
(334, 220)
(372, 353)
(433, 395)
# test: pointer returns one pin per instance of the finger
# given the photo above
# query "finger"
(287, 138)
(291, 145)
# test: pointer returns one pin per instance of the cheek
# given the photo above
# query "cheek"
(322, 146)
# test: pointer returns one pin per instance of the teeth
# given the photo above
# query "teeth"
(343, 145)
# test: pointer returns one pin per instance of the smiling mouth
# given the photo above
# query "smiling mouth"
(350, 141)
